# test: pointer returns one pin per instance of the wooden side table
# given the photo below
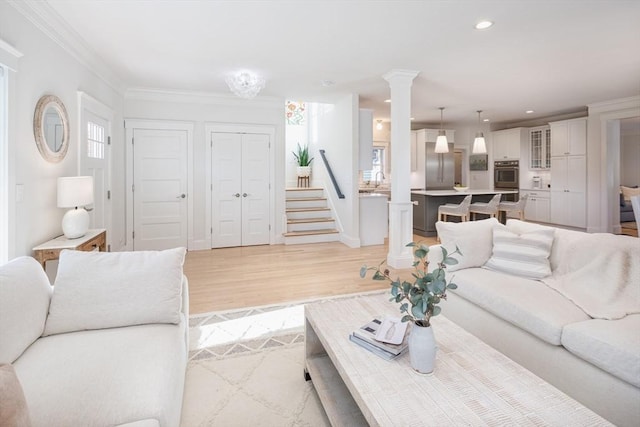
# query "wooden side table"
(50, 250)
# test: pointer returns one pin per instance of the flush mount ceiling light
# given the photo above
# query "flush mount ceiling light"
(245, 84)
(327, 83)
(529, 112)
(483, 25)
(379, 125)
(442, 145)
(388, 101)
(479, 146)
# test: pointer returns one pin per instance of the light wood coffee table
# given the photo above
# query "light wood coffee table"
(473, 384)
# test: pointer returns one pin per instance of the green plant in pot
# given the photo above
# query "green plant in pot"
(303, 159)
(419, 301)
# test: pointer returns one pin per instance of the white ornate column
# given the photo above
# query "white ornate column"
(400, 207)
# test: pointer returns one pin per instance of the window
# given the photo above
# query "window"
(95, 140)
(377, 173)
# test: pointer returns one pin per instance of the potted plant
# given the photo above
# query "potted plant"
(304, 162)
(419, 301)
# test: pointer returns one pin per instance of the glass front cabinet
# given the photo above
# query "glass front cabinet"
(540, 147)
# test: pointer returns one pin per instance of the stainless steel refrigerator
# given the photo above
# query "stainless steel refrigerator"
(439, 168)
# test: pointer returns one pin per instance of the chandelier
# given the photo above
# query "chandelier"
(245, 84)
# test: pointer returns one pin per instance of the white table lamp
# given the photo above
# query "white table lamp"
(75, 192)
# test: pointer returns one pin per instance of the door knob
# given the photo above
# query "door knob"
(182, 196)
(244, 194)
(236, 195)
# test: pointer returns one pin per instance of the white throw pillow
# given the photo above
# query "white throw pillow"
(25, 293)
(525, 255)
(97, 290)
(473, 238)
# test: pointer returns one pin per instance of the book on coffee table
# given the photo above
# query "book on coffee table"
(378, 335)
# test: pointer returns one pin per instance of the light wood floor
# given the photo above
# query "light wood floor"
(221, 279)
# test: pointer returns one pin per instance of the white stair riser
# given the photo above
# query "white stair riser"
(317, 238)
(310, 226)
(306, 193)
(306, 204)
(309, 214)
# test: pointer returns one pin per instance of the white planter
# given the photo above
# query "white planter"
(304, 171)
(422, 349)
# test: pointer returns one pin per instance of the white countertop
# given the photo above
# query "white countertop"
(461, 193)
(370, 195)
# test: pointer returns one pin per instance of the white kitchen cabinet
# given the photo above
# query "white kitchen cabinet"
(366, 139)
(569, 137)
(537, 208)
(430, 135)
(540, 147)
(506, 143)
(568, 190)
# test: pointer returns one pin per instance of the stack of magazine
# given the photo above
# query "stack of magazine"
(386, 337)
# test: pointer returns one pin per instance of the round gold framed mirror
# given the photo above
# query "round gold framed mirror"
(51, 128)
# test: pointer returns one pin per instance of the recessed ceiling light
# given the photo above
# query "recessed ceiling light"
(528, 111)
(327, 83)
(413, 118)
(485, 120)
(388, 101)
(483, 25)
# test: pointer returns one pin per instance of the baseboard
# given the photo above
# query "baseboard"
(198, 245)
(352, 242)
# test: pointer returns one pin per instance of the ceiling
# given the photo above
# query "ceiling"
(552, 57)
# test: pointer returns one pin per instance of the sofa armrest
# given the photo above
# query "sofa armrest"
(185, 296)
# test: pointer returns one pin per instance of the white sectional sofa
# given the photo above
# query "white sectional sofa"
(106, 345)
(542, 322)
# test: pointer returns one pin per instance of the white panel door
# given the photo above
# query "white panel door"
(240, 207)
(255, 189)
(226, 180)
(94, 161)
(160, 189)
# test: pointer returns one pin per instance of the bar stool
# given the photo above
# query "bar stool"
(451, 209)
(512, 207)
(490, 208)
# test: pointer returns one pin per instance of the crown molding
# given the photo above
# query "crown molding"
(47, 20)
(197, 97)
(615, 104)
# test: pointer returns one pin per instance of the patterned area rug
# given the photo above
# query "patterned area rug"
(246, 368)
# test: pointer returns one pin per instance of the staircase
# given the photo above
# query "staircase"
(309, 220)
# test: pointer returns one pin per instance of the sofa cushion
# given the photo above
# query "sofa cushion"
(611, 345)
(25, 293)
(526, 303)
(473, 238)
(563, 239)
(525, 255)
(13, 406)
(628, 192)
(95, 290)
(106, 377)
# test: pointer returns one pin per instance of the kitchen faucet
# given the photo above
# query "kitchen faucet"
(376, 178)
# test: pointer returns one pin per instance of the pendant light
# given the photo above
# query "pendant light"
(441, 142)
(479, 146)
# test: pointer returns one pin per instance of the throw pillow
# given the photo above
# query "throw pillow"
(473, 238)
(96, 290)
(13, 405)
(525, 255)
(627, 192)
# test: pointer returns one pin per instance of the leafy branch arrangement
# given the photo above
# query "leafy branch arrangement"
(427, 289)
(302, 156)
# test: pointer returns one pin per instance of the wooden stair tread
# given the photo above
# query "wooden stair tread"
(310, 232)
(303, 188)
(306, 209)
(306, 199)
(307, 220)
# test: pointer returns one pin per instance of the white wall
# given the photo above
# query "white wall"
(337, 134)
(47, 68)
(207, 108)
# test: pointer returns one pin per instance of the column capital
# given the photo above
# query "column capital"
(400, 75)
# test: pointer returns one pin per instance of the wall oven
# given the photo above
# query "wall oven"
(506, 174)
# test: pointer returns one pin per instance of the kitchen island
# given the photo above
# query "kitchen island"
(426, 203)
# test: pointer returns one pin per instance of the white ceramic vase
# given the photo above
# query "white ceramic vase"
(304, 171)
(422, 349)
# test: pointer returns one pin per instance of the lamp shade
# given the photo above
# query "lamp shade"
(442, 145)
(479, 145)
(74, 191)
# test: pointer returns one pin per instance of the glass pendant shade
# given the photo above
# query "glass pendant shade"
(442, 145)
(479, 145)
